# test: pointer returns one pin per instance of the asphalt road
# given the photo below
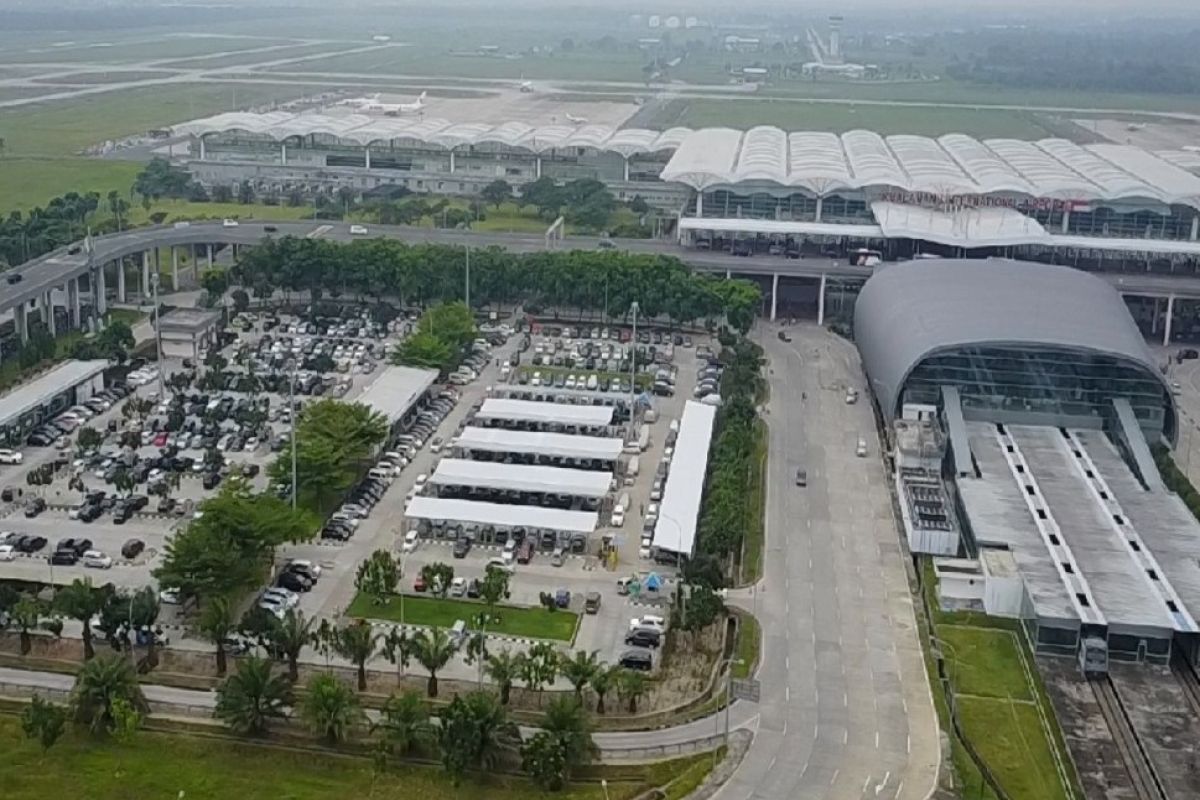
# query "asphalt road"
(845, 710)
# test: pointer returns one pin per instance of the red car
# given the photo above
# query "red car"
(160, 440)
(419, 584)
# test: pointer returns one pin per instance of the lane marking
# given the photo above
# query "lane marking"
(834, 777)
(787, 694)
(876, 739)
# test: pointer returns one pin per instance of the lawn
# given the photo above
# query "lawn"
(1009, 737)
(748, 646)
(535, 623)
(29, 182)
(172, 765)
(984, 662)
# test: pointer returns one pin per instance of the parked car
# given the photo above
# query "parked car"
(97, 560)
(132, 548)
(640, 660)
(462, 546)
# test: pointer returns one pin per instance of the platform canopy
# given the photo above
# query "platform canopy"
(679, 512)
(502, 515)
(521, 478)
(550, 413)
(554, 445)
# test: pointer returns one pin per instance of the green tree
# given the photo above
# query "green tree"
(630, 685)
(356, 642)
(27, 616)
(639, 206)
(81, 601)
(250, 698)
(330, 708)
(288, 636)
(216, 623)
(100, 683)
(404, 725)
(475, 732)
(398, 649)
(88, 439)
(580, 669)
(602, 682)
(438, 576)
(424, 350)
(539, 667)
(378, 576)
(703, 608)
(497, 192)
(503, 669)
(433, 649)
(43, 721)
(126, 721)
(241, 300)
(565, 744)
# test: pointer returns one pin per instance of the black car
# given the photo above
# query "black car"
(64, 558)
(642, 637)
(211, 480)
(78, 546)
(462, 546)
(303, 570)
(133, 548)
(121, 513)
(336, 532)
(293, 581)
(473, 588)
(89, 512)
(636, 659)
(30, 544)
(14, 277)
(34, 506)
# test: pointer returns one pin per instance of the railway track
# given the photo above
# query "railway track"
(1186, 675)
(1142, 776)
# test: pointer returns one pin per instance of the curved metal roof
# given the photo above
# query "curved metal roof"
(820, 163)
(909, 311)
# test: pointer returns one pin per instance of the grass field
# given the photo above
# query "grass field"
(984, 662)
(170, 766)
(29, 182)
(236, 59)
(116, 76)
(135, 48)
(748, 647)
(536, 623)
(590, 65)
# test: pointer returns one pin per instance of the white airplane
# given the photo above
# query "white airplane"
(576, 120)
(526, 87)
(371, 103)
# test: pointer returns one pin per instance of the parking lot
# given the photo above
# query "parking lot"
(232, 418)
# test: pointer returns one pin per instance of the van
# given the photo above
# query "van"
(617, 518)
(631, 471)
(650, 415)
(643, 438)
(861, 450)
(379, 473)
(592, 383)
(591, 603)
(458, 633)
(623, 502)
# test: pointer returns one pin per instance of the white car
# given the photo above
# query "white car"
(346, 517)
(7, 552)
(411, 540)
(458, 586)
(436, 445)
(648, 621)
(358, 230)
(169, 597)
(510, 551)
(304, 563)
(97, 560)
(229, 223)
(8, 456)
(496, 562)
(289, 599)
(420, 482)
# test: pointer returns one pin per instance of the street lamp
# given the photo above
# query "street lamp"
(162, 391)
(728, 662)
(604, 786)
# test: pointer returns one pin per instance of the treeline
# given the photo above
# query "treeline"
(1158, 63)
(726, 512)
(422, 274)
(440, 341)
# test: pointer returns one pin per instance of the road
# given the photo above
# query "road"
(846, 710)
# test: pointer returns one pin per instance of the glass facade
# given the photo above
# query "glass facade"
(1041, 380)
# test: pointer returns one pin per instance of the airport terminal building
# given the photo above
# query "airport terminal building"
(1034, 480)
(760, 190)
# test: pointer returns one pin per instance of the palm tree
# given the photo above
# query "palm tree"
(81, 601)
(330, 708)
(567, 721)
(495, 732)
(604, 679)
(357, 643)
(503, 668)
(26, 614)
(99, 683)
(433, 649)
(216, 622)
(579, 670)
(630, 686)
(404, 723)
(289, 636)
(398, 649)
(250, 698)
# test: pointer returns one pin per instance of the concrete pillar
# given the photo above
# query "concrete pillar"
(21, 317)
(174, 269)
(1066, 220)
(539, 167)
(201, 148)
(1154, 317)
(73, 302)
(452, 162)
(699, 204)
(120, 280)
(1167, 322)
(367, 156)
(1195, 227)
(728, 274)
(626, 160)
(145, 274)
(820, 206)
(283, 153)
(210, 256)
(821, 302)
(774, 293)
(48, 311)
(99, 289)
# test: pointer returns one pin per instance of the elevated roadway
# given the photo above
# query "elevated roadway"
(57, 269)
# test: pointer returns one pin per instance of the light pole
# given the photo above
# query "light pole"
(162, 391)
(728, 662)
(293, 414)
(633, 363)
(604, 786)
(467, 292)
